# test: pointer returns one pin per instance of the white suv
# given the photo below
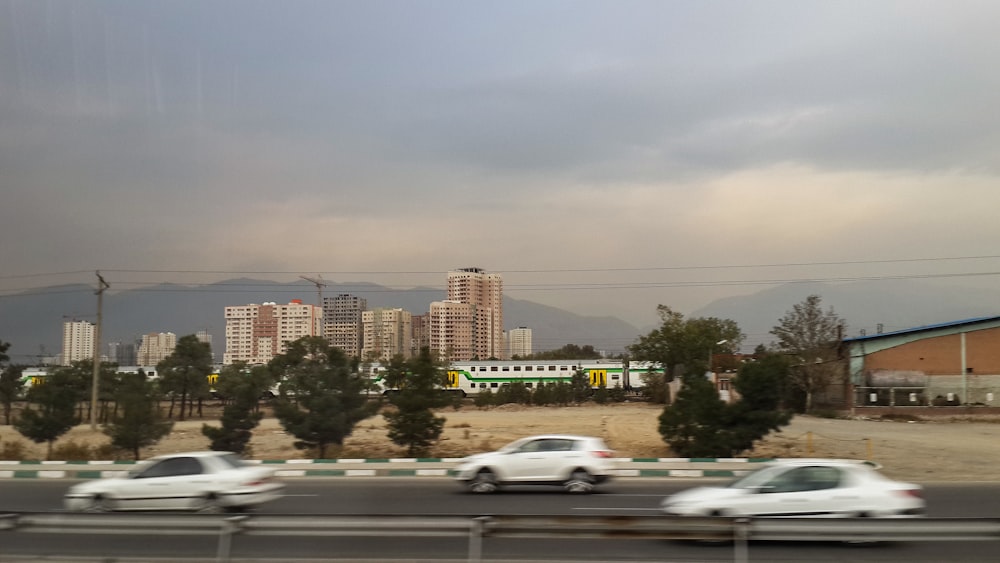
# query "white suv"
(575, 462)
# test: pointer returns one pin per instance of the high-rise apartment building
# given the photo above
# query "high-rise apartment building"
(342, 326)
(77, 342)
(484, 291)
(421, 333)
(387, 333)
(256, 333)
(519, 342)
(155, 347)
(452, 325)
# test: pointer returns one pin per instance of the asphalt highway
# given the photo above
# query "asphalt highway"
(438, 496)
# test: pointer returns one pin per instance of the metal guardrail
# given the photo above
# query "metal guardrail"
(739, 531)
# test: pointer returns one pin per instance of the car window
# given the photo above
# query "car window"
(801, 479)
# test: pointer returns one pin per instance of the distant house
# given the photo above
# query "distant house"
(948, 364)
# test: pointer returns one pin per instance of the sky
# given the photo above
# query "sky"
(605, 157)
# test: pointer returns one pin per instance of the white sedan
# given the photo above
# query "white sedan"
(195, 481)
(576, 463)
(804, 488)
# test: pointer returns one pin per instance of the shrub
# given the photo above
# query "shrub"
(14, 451)
(72, 451)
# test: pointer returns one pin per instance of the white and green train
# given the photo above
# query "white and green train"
(474, 377)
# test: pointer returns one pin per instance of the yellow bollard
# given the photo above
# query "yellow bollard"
(809, 443)
(869, 441)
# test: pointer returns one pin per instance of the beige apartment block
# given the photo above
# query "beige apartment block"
(451, 330)
(256, 333)
(484, 291)
(155, 347)
(387, 333)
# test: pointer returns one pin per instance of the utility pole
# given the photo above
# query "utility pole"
(101, 286)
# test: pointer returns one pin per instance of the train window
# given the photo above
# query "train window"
(517, 368)
(473, 385)
(552, 368)
(482, 386)
(563, 368)
(614, 376)
(494, 385)
(493, 368)
(527, 368)
(527, 384)
(505, 368)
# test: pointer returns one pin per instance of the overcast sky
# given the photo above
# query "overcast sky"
(604, 156)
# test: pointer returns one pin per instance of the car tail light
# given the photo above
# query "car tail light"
(601, 453)
(916, 493)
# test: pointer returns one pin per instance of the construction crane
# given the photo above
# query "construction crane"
(319, 283)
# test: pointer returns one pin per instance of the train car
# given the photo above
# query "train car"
(474, 377)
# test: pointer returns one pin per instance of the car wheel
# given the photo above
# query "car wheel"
(98, 503)
(484, 482)
(580, 482)
(209, 505)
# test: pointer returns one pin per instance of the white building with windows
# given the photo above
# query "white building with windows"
(255, 333)
(77, 342)
(519, 342)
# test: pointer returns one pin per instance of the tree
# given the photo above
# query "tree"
(693, 426)
(322, 395)
(681, 344)
(568, 352)
(11, 385)
(184, 373)
(580, 386)
(412, 423)
(811, 338)
(51, 409)
(762, 387)
(700, 424)
(137, 423)
(240, 415)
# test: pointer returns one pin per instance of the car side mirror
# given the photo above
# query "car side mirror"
(763, 489)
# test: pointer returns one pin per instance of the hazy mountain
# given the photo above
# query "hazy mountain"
(32, 321)
(893, 304)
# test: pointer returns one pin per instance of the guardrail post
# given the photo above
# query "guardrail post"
(741, 540)
(476, 538)
(229, 527)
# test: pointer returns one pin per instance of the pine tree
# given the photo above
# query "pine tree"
(138, 423)
(413, 423)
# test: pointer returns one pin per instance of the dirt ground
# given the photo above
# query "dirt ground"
(925, 450)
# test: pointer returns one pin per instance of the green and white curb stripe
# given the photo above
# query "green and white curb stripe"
(627, 467)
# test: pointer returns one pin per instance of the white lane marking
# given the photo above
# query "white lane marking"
(613, 508)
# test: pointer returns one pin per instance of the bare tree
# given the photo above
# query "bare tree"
(811, 337)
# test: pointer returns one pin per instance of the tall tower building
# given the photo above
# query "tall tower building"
(342, 326)
(519, 340)
(421, 333)
(452, 325)
(256, 333)
(387, 333)
(77, 341)
(155, 347)
(484, 291)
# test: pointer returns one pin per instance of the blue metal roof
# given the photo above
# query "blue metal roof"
(923, 328)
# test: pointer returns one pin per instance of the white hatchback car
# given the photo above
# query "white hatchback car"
(196, 481)
(576, 463)
(804, 488)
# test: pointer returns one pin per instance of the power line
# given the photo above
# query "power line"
(532, 271)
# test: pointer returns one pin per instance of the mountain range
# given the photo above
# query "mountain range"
(32, 320)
